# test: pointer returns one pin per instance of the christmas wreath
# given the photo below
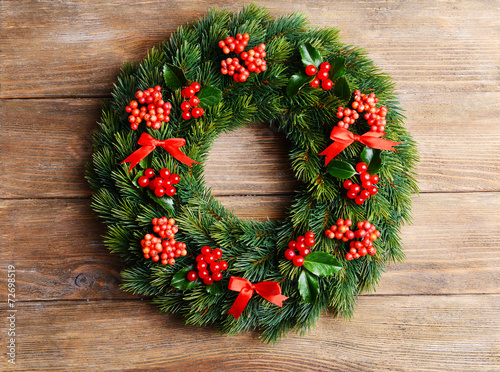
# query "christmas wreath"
(349, 149)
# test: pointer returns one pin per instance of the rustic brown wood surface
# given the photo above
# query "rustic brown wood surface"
(438, 310)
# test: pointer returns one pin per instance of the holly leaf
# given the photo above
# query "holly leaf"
(321, 263)
(338, 68)
(296, 82)
(373, 159)
(342, 90)
(166, 202)
(174, 76)
(215, 289)
(209, 96)
(146, 162)
(340, 169)
(308, 286)
(310, 56)
(180, 281)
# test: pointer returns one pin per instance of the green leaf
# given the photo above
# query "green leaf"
(209, 96)
(308, 286)
(174, 76)
(296, 82)
(146, 162)
(137, 176)
(338, 68)
(321, 263)
(215, 289)
(373, 159)
(342, 90)
(341, 169)
(180, 281)
(166, 202)
(310, 56)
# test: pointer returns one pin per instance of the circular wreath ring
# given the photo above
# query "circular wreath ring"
(259, 287)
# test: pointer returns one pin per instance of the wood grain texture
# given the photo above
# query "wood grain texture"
(456, 155)
(63, 257)
(427, 46)
(418, 333)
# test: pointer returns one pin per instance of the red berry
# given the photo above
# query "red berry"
(208, 280)
(149, 173)
(298, 260)
(197, 112)
(309, 242)
(349, 257)
(364, 194)
(196, 87)
(309, 234)
(223, 265)
(289, 254)
(143, 181)
(159, 192)
(192, 276)
(217, 253)
(325, 66)
(164, 173)
(202, 265)
(301, 239)
(186, 115)
(170, 191)
(315, 83)
(217, 276)
(194, 101)
(185, 106)
(205, 250)
(364, 176)
(361, 167)
(311, 70)
(349, 234)
(209, 258)
(372, 190)
(327, 84)
(292, 244)
(214, 266)
(203, 274)
(359, 200)
(374, 179)
(322, 75)
(347, 184)
(304, 252)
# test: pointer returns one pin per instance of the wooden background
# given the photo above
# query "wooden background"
(439, 310)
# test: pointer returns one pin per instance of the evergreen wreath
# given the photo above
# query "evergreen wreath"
(207, 264)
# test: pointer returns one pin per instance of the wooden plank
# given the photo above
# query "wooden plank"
(438, 333)
(455, 155)
(452, 247)
(67, 48)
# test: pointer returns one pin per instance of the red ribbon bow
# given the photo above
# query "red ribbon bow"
(149, 143)
(344, 138)
(271, 291)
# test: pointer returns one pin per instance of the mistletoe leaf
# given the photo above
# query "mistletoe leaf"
(174, 76)
(215, 289)
(209, 96)
(166, 202)
(308, 286)
(180, 281)
(338, 68)
(310, 56)
(321, 263)
(341, 169)
(296, 82)
(342, 90)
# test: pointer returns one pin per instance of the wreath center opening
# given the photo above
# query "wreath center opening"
(261, 185)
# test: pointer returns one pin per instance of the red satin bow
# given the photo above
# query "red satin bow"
(271, 291)
(344, 138)
(149, 143)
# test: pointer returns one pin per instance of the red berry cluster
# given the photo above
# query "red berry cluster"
(231, 66)
(234, 44)
(367, 183)
(156, 112)
(189, 92)
(160, 185)
(348, 117)
(322, 75)
(254, 58)
(341, 230)
(303, 245)
(155, 248)
(374, 115)
(368, 233)
(208, 261)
